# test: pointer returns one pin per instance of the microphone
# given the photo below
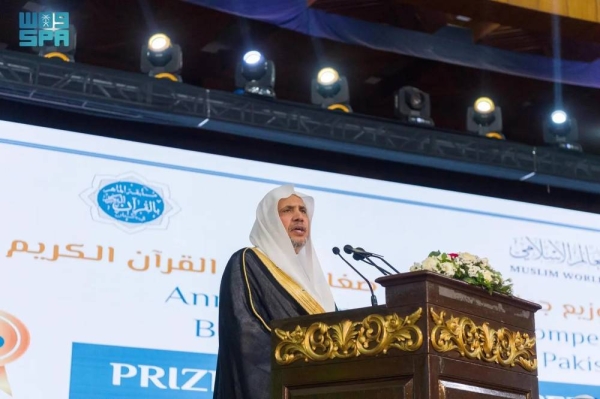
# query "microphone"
(348, 249)
(358, 250)
(370, 263)
(336, 251)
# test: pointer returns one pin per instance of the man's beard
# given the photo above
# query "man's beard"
(299, 244)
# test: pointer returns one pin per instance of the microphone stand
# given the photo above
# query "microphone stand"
(386, 262)
(336, 251)
(369, 262)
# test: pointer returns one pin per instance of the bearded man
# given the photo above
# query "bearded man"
(277, 279)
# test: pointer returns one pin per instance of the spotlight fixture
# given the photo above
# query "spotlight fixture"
(558, 117)
(327, 77)
(62, 52)
(256, 75)
(412, 105)
(159, 43)
(161, 58)
(485, 119)
(562, 131)
(330, 90)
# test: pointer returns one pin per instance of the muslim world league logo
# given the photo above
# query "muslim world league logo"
(130, 203)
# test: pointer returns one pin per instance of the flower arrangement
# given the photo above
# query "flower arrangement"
(468, 268)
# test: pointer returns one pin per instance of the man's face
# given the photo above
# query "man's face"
(294, 216)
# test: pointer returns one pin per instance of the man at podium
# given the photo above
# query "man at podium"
(279, 278)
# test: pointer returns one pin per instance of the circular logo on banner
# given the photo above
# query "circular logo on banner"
(14, 341)
(130, 202)
(14, 338)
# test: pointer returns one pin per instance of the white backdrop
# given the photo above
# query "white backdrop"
(111, 254)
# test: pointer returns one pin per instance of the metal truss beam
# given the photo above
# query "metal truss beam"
(117, 94)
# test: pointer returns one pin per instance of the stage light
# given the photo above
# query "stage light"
(159, 43)
(327, 77)
(562, 131)
(413, 106)
(253, 57)
(485, 119)
(161, 58)
(484, 105)
(558, 117)
(255, 75)
(330, 90)
(63, 53)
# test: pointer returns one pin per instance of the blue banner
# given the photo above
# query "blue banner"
(555, 390)
(101, 371)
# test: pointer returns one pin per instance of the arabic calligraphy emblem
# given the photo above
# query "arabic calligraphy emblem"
(554, 251)
(130, 202)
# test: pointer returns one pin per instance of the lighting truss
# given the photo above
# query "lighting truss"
(124, 95)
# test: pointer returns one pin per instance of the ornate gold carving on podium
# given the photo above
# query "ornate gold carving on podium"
(373, 335)
(500, 346)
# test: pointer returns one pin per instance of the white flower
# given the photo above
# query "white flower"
(487, 275)
(472, 271)
(467, 257)
(464, 267)
(430, 264)
(448, 268)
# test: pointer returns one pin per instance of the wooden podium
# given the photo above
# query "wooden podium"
(435, 338)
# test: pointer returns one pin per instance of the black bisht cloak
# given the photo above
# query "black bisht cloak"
(253, 293)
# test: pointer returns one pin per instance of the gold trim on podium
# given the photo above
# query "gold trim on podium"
(472, 341)
(374, 335)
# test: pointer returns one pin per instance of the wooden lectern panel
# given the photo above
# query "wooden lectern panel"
(436, 338)
(459, 379)
(397, 389)
(458, 390)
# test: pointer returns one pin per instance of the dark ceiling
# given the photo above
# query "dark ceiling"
(110, 33)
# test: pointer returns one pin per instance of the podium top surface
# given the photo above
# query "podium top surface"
(401, 281)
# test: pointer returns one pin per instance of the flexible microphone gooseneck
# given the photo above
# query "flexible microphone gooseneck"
(387, 263)
(369, 262)
(336, 251)
(380, 257)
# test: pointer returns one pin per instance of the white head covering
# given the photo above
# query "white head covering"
(270, 236)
